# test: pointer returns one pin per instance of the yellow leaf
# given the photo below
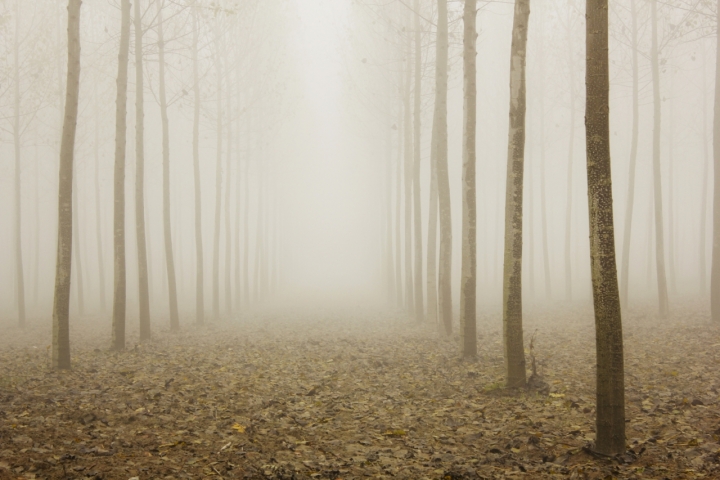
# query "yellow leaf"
(395, 433)
(557, 395)
(239, 428)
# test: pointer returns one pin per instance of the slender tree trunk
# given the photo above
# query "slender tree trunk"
(199, 265)
(705, 180)
(432, 293)
(627, 230)
(259, 235)
(246, 222)
(530, 216)
(238, 206)
(512, 279)
(19, 270)
(218, 191)
(419, 302)
(169, 258)
(671, 188)
(228, 230)
(468, 277)
(389, 260)
(398, 204)
(543, 196)
(143, 292)
(715, 268)
(608, 323)
(61, 303)
(77, 255)
(36, 263)
(657, 182)
(407, 125)
(98, 215)
(119, 296)
(441, 165)
(571, 154)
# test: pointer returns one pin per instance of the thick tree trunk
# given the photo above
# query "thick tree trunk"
(218, 191)
(19, 270)
(512, 278)
(657, 182)
(417, 111)
(627, 230)
(98, 215)
(119, 296)
(468, 277)
(169, 259)
(61, 303)
(608, 323)
(143, 292)
(715, 269)
(199, 265)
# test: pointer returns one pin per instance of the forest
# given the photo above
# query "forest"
(340, 239)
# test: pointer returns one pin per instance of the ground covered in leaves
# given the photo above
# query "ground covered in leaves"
(349, 395)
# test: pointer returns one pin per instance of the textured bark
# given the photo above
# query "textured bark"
(468, 277)
(169, 258)
(625, 271)
(610, 389)
(61, 302)
(19, 269)
(512, 277)
(657, 182)
(143, 289)
(715, 268)
(218, 191)
(442, 181)
(199, 264)
(119, 296)
(417, 221)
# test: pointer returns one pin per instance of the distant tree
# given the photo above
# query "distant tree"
(417, 211)
(408, 177)
(468, 277)
(610, 390)
(199, 265)
(715, 270)
(120, 292)
(512, 281)
(61, 303)
(218, 181)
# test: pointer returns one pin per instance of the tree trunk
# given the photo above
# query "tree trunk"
(608, 323)
(389, 260)
(228, 230)
(417, 110)
(199, 268)
(246, 222)
(468, 278)
(624, 279)
(98, 215)
(398, 204)
(77, 254)
(657, 182)
(512, 278)
(705, 180)
(143, 292)
(61, 303)
(238, 190)
(571, 154)
(218, 192)
(408, 173)
(169, 259)
(715, 268)
(119, 296)
(671, 188)
(19, 270)
(543, 195)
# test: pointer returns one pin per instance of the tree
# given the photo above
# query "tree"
(143, 293)
(512, 278)
(119, 296)
(218, 185)
(199, 267)
(408, 176)
(610, 390)
(657, 182)
(624, 283)
(19, 270)
(417, 221)
(468, 277)
(169, 258)
(61, 303)
(715, 269)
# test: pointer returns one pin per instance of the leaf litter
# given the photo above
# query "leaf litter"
(343, 395)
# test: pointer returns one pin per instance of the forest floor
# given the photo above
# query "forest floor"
(349, 395)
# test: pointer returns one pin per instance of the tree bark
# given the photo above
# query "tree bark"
(119, 296)
(715, 268)
(143, 292)
(468, 278)
(19, 270)
(417, 110)
(608, 323)
(169, 259)
(512, 278)
(61, 303)
(625, 272)
(657, 182)
(199, 265)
